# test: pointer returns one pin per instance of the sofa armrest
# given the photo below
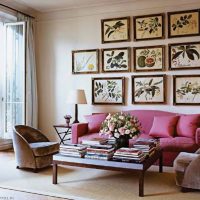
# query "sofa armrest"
(78, 130)
(197, 136)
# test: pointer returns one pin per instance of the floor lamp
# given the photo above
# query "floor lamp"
(76, 97)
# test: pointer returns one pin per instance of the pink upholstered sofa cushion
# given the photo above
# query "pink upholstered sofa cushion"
(94, 122)
(187, 125)
(146, 117)
(164, 126)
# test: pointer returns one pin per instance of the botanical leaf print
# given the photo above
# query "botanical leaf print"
(188, 90)
(108, 91)
(185, 55)
(115, 28)
(116, 60)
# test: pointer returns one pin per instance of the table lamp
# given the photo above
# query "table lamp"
(76, 97)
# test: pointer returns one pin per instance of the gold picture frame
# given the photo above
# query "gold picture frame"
(85, 61)
(116, 60)
(149, 89)
(186, 90)
(108, 90)
(115, 30)
(149, 58)
(149, 27)
(184, 23)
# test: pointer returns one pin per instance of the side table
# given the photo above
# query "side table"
(63, 130)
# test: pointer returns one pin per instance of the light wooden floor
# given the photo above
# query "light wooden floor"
(6, 194)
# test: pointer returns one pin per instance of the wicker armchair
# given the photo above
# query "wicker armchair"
(32, 149)
(187, 169)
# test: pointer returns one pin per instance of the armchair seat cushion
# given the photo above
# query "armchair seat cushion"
(44, 148)
(183, 160)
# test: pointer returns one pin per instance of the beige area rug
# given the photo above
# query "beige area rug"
(81, 183)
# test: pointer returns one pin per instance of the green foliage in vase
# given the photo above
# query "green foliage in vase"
(148, 88)
(189, 50)
(181, 22)
(108, 90)
(151, 26)
(112, 29)
(116, 61)
(189, 88)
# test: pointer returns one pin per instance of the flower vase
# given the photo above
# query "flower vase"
(122, 141)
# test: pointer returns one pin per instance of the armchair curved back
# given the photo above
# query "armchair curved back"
(30, 134)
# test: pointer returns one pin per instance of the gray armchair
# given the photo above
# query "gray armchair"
(32, 149)
(187, 170)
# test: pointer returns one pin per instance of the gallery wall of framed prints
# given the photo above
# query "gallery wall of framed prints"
(149, 66)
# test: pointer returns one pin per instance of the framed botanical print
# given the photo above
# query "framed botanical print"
(186, 89)
(184, 56)
(151, 58)
(115, 30)
(116, 60)
(149, 89)
(85, 61)
(184, 23)
(148, 27)
(108, 90)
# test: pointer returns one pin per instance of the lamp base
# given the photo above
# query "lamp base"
(75, 121)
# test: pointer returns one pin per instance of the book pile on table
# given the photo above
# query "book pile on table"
(95, 141)
(73, 150)
(147, 146)
(111, 140)
(99, 151)
(129, 155)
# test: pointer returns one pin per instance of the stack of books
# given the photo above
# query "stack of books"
(129, 155)
(95, 141)
(147, 146)
(111, 141)
(73, 150)
(99, 151)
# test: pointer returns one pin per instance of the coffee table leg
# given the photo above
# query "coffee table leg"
(161, 163)
(55, 172)
(141, 184)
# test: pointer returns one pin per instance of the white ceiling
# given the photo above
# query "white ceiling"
(53, 5)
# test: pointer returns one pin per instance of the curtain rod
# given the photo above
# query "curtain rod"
(17, 11)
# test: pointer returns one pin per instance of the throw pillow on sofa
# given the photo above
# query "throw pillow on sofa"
(164, 126)
(95, 121)
(187, 125)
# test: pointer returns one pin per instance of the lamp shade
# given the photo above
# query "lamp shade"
(76, 97)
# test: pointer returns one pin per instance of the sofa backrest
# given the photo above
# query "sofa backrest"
(146, 117)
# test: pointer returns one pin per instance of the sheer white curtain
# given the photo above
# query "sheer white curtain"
(31, 81)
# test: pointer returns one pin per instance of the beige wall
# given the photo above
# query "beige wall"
(58, 33)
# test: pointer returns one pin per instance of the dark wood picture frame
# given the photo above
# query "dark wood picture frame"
(97, 53)
(113, 29)
(135, 18)
(170, 14)
(184, 54)
(145, 69)
(116, 61)
(110, 92)
(164, 78)
(192, 77)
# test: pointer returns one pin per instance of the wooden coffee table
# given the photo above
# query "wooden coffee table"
(140, 168)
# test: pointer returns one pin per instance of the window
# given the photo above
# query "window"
(12, 82)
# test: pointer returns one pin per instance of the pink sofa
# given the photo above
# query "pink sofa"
(171, 146)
